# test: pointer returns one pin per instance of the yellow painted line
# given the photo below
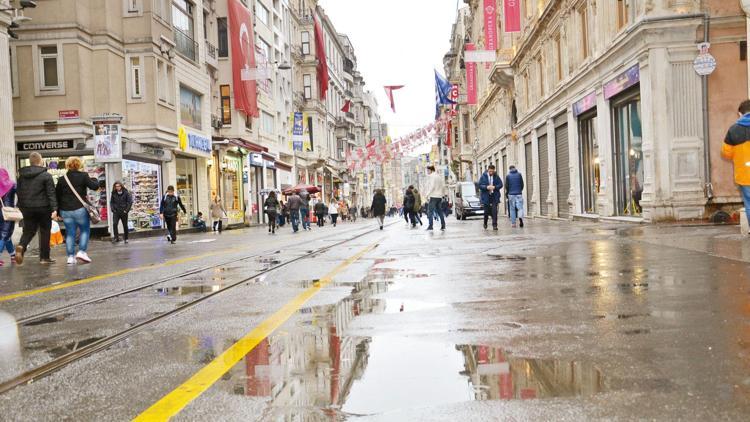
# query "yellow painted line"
(65, 285)
(175, 401)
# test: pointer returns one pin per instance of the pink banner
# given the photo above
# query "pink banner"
(512, 15)
(490, 25)
(471, 78)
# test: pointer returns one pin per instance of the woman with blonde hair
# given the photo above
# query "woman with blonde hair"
(217, 212)
(71, 199)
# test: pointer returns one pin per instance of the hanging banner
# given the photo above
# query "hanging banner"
(107, 140)
(471, 78)
(490, 25)
(242, 37)
(512, 16)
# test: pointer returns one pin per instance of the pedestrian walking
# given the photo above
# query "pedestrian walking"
(38, 204)
(8, 202)
(168, 209)
(320, 213)
(294, 203)
(736, 147)
(71, 190)
(417, 206)
(353, 213)
(271, 208)
(378, 207)
(304, 209)
(514, 194)
(489, 186)
(217, 213)
(120, 203)
(333, 210)
(434, 193)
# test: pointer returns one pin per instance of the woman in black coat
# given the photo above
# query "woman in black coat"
(378, 207)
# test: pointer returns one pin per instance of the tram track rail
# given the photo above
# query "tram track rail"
(108, 341)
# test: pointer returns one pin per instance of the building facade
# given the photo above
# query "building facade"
(599, 105)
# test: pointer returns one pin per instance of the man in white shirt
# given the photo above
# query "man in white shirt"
(435, 191)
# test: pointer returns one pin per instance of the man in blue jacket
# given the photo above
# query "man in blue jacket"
(490, 185)
(514, 191)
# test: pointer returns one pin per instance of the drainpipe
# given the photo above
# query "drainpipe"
(708, 189)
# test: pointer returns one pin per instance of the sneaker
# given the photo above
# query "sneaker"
(19, 254)
(71, 260)
(83, 257)
(494, 228)
(126, 241)
(520, 220)
(169, 237)
(429, 228)
(47, 261)
(381, 227)
(485, 227)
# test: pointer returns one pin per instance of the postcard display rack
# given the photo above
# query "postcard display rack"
(144, 182)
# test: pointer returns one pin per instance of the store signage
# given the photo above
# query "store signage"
(705, 63)
(68, 114)
(199, 143)
(490, 25)
(512, 16)
(44, 145)
(256, 160)
(107, 140)
(298, 131)
(471, 78)
(269, 164)
(584, 104)
(624, 81)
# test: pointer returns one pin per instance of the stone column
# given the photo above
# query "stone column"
(7, 144)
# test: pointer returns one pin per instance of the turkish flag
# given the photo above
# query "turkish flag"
(346, 106)
(371, 144)
(243, 59)
(389, 92)
(320, 54)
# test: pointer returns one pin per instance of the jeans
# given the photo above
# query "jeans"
(745, 191)
(490, 210)
(334, 217)
(33, 220)
(305, 218)
(294, 218)
(515, 203)
(171, 222)
(434, 209)
(118, 217)
(6, 233)
(77, 220)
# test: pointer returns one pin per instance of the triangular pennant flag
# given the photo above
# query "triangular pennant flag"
(389, 92)
(347, 106)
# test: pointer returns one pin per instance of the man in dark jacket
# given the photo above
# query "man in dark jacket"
(304, 209)
(514, 193)
(294, 202)
(38, 204)
(378, 206)
(320, 212)
(120, 204)
(169, 207)
(490, 185)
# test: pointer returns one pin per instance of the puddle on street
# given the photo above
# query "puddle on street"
(72, 347)
(313, 368)
(188, 290)
(47, 320)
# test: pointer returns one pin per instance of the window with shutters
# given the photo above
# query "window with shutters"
(136, 78)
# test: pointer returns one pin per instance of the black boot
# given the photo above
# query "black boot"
(520, 220)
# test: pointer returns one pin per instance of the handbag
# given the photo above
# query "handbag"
(12, 214)
(90, 209)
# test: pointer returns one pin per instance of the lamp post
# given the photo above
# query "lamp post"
(746, 8)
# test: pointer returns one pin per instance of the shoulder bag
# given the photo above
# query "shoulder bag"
(12, 214)
(90, 209)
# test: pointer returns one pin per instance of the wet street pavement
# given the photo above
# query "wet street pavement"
(556, 321)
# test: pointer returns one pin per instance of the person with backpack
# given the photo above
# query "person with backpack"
(736, 148)
(71, 190)
(168, 209)
(120, 203)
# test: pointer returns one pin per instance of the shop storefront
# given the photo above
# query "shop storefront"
(186, 187)
(144, 181)
(625, 101)
(588, 147)
(231, 179)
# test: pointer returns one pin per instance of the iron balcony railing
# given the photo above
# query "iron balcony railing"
(210, 50)
(186, 46)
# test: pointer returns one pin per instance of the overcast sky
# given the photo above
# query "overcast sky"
(398, 42)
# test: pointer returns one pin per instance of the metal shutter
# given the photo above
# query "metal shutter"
(562, 170)
(543, 175)
(529, 177)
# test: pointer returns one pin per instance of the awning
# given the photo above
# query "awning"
(283, 166)
(239, 142)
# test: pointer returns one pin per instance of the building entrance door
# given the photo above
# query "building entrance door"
(628, 155)
(590, 173)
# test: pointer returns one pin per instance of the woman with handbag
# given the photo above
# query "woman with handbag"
(76, 212)
(271, 207)
(8, 197)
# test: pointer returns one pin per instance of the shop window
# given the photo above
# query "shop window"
(221, 24)
(185, 169)
(267, 123)
(190, 108)
(305, 42)
(262, 13)
(165, 82)
(13, 71)
(307, 84)
(143, 180)
(226, 105)
(136, 78)
(49, 66)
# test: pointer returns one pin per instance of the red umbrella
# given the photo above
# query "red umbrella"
(300, 188)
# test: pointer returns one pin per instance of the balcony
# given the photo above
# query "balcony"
(502, 71)
(341, 122)
(349, 117)
(211, 58)
(185, 46)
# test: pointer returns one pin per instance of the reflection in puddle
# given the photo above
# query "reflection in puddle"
(72, 347)
(47, 320)
(188, 290)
